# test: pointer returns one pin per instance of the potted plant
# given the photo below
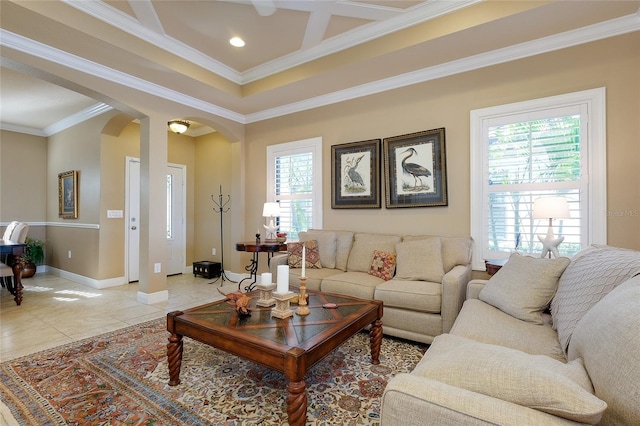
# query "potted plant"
(33, 255)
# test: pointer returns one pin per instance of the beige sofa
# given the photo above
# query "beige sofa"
(507, 362)
(423, 298)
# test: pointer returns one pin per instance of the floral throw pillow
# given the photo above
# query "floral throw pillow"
(312, 254)
(383, 265)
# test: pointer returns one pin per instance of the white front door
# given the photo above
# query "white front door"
(176, 244)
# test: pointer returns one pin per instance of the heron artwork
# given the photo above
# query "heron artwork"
(354, 183)
(415, 170)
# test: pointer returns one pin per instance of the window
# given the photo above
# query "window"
(546, 147)
(294, 179)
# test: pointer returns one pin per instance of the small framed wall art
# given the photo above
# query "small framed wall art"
(68, 195)
(355, 175)
(416, 169)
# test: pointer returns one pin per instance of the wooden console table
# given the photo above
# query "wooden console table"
(256, 247)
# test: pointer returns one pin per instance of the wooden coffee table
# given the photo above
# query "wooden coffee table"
(290, 345)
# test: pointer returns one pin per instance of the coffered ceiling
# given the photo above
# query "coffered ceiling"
(299, 54)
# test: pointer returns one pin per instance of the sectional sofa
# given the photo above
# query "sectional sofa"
(505, 361)
(421, 279)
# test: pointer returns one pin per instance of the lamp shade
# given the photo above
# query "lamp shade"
(551, 208)
(178, 126)
(271, 209)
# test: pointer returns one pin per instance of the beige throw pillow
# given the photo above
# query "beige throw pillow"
(326, 245)
(534, 381)
(524, 286)
(593, 273)
(363, 247)
(420, 260)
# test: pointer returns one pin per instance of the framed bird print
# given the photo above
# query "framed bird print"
(355, 175)
(416, 170)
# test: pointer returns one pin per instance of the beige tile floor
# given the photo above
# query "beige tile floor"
(56, 311)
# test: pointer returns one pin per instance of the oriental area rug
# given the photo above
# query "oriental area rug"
(120, 378)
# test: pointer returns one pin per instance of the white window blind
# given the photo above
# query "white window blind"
(541, 148)
(294, 181)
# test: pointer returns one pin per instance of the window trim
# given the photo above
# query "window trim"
(313, 145)
(595, 102)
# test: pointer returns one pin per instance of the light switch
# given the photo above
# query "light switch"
(114, 214)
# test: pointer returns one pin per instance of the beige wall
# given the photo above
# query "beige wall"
(98, 251)
(447, 102)
(23, 181)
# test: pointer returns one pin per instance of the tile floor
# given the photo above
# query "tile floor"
(56, 311)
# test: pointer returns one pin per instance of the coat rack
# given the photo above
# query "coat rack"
(221, 207)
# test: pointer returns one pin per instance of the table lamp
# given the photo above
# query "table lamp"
(270, 210)
(551, 208)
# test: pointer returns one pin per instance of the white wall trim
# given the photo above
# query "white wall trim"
(151, 298)
(81, 279)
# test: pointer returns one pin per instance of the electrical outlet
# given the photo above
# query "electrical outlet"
(69, 254)
(213, 251)
(157, 268)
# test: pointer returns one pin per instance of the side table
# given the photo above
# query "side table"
(256, 247)
(494, 265)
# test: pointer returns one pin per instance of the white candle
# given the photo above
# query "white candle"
(266, 278)
(282, 286)
(304, 259)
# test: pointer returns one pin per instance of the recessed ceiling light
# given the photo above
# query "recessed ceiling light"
(237, 42)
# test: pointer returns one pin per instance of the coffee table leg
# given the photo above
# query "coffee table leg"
(375, 340)
(297, 403)
(174, 357)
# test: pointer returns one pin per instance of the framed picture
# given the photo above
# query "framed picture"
(355, 175)
(416, 170)
(68, 195)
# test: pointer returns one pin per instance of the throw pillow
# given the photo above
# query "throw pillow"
(607, 339)
(524, 286)
(593, 273)
(363, 246)
(312, 255)
(534, 381)
(383, 265)
(326, 245)
(420, 260)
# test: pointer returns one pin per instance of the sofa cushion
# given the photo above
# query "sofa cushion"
(383, 265)
(355, 284)
(419, 296)
(484, 323)
(314, 276)
(593, 273)
(420, 260)
(312, 255)
(326, 245)
(524, 286)
(607, 337)
(534, 381)
(455, 250)
(363, 246)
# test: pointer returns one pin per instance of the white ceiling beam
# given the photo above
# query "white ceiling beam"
(146, 14)
(317, 24)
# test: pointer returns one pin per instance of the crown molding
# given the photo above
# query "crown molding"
(43, 51)
(77, 118)
(112, 16)
(413, 16)
(22, 129)
(612, 28)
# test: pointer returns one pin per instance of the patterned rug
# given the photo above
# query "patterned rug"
(120, 378)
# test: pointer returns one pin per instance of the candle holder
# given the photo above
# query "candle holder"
(282, 309)
(303, 309)
(266, 295)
